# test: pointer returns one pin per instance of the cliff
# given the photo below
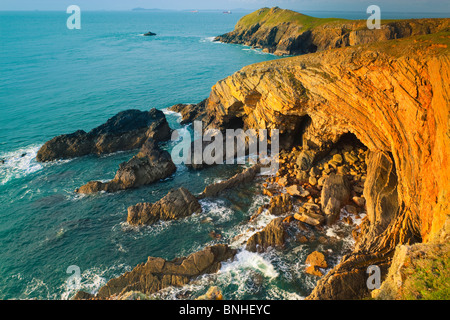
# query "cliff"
(394, 97)
(286, 32)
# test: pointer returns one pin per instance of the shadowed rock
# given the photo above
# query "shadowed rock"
(177, 204)
(149, 165)
(127, 130)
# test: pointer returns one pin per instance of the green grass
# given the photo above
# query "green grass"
(275, 16)
(428, 276)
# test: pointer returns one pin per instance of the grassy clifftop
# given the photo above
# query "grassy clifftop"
(286, 32)
(276, 16)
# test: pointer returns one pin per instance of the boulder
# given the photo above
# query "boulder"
(296, 190)
(314, 261)
(151, 164)
(213, 293)
(127, 130)
(177, 204)
(335, 193)
(305, 159)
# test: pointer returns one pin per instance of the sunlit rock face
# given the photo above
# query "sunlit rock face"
(393, 95)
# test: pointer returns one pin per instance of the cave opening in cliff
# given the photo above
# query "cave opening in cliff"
(351, 139)
(235, 123)
(294, 137)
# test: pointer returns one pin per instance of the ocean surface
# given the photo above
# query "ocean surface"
(53, 81)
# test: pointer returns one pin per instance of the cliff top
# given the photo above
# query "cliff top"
(275, 16)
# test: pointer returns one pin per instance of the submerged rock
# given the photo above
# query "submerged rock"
(177, 204)
(127, 130)
(149, 165)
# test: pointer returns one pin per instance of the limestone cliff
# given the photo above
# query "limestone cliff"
(286, 32)
(394, 96)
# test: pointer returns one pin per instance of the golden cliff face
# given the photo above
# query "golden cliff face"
(394, 96)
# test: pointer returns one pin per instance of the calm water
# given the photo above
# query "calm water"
(54, 81)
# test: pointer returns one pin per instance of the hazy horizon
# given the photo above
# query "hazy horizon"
(406, 6)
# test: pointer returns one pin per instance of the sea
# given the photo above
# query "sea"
(54, 80)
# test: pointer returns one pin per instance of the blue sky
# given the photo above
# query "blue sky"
(298, 5)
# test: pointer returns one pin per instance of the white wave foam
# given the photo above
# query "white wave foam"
(207, 39)
(18, 164)
(249, 260)
(93, 279)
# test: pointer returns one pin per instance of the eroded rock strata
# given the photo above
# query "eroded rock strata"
(394, 97)
(285, 32)
(177, 204)
(127, 130)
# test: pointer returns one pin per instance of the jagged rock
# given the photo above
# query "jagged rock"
(280, 204)
(157, 273)
(247, 175)
(127, 130)
(149, 165)
(273, 235)
(177, 204)
(190, 112)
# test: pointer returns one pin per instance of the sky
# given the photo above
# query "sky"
(297, 5)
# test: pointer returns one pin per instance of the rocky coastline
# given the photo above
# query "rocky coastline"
(364, 136)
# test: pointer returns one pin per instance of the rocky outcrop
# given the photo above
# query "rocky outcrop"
(177, 204)
(245, 176)
(335, 194)
(158, 273)
(190, 112)
(149, 165)
(127, 130)
(285, 32)
(393, 96)
(272, 236)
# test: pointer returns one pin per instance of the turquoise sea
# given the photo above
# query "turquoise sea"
(54, 81)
